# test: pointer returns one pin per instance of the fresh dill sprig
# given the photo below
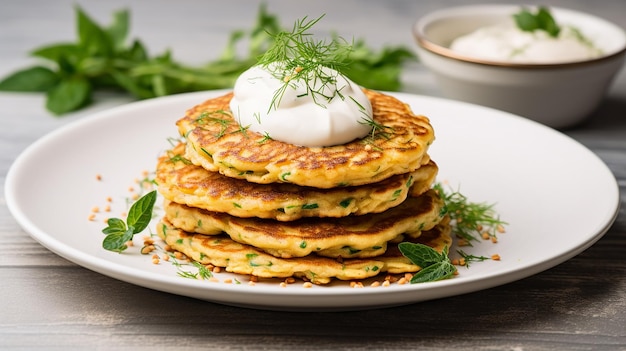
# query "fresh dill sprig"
(215, 117)
(202, 271)
(266, 137)
(471, 220)
(243, 130)
(173, 141)
(296, 57)
(467, 258)
(224, 120)
(378, 130)
(180, 158)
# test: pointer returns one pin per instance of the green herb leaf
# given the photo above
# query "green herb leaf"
(140, 212)
(58, 52)
(420, 254)
(115, 225)
(436, 271)
(468, 258)
(139, 216)
(434, 265)
(35, 79)
(377, 70)
(69, 95)
(541, 20)
(91, 37)
(117, 241)
(118, 30)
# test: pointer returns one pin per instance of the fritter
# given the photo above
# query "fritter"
(352, 236)
(398, 144)
(183, 182)
(240, 258)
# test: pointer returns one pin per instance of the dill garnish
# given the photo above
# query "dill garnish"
(180, 158)
(467, 258)
(471, 220)
(296, 57)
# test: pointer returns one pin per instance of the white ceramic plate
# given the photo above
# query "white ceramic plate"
(541, 182)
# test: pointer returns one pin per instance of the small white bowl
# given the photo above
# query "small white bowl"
(558, 95)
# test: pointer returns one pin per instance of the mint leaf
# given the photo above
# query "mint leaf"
(547, 22)
(117, 241)
(34, 79)
(116, 225)
(542, 20)
(434, 265)
(139, 217)
(420, 254)
(526, 21)
(434, 272)
(69, 95)
(140, 212)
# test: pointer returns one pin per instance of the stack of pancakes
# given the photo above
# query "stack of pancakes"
(239, 200)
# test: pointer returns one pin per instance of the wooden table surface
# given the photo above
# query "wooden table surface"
(48, 302)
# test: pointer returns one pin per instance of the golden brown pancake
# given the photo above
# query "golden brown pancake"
(216, 142)
(235, 257)
(182, 182)
(352, 236)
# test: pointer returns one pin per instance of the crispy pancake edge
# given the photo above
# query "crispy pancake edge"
(217, 143)
(182, 182)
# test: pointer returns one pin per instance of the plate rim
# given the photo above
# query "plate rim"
(139, 277)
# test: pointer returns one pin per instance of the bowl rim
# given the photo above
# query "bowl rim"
(426, 44)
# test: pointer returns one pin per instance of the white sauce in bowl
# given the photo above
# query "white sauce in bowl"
(507, 43)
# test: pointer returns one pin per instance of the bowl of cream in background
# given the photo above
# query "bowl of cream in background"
(478, 55)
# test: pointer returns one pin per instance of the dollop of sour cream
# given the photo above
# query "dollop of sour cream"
(307, 111)
(508, 43)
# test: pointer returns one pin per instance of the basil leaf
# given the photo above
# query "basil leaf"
(140, 212)
(118, 30)
(68, 95)
(434, 272)
(91, 37)
(131, 85)
(136, 53)
(34, 79)
(58, 52)
(102, 58)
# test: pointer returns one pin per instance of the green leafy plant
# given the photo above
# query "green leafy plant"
(103, 58)
(118, 232)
